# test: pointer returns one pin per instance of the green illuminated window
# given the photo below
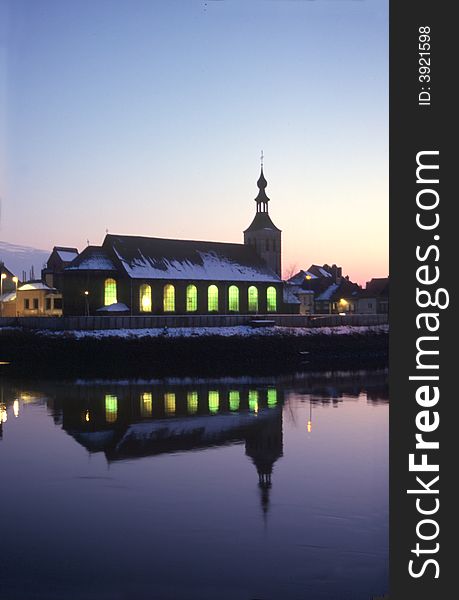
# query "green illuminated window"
(146, 404)
(214, 401)
(169, 298)
(192, 402)
(212, 298)
(145, 298)
(272, 397)
(253, 400)
(233, 298)
(191, 298)
(234, 400)
(169, 403)
(110, 292)
(111, 408)
(253, 298)
(271, 299)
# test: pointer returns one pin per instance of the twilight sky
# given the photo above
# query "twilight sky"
(148, 117)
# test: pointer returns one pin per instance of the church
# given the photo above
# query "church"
(135, 275)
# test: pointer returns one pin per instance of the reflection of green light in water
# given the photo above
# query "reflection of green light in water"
(192, 402)
(253, 400)
(111, 408)
(146, 404)
(169, 403)
(234, 400)
(272, 397)
(213, 401)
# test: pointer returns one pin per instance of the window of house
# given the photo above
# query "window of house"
(272, 397)
(169, 298)
(169, 403)
(111, 408)
(214, 401)
(271, 299)
(191, 298)
(253, 400)
(234, 400)
(212, 298)
(58, 303)
(145, 298)
(253, 298)
(192, 402)
(35, 303)
(26, 304)
(110, 292)
(146, 404)
(48, 303)
(233, 298)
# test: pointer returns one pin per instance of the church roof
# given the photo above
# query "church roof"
(262, 220)
(157, 258)
(92, 258)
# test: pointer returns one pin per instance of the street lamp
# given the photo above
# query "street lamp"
(16, 281)
(2, 277)
(86, 299)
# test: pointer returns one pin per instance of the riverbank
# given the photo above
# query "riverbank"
(191, 351)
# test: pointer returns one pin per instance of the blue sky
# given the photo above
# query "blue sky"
(148, 117)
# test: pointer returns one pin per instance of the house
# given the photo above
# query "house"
(323, 290)
(60, 257)
(147, 275)
(36, 299)
(8, 286)
(374, 299)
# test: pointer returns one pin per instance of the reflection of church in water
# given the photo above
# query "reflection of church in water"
(133, 422)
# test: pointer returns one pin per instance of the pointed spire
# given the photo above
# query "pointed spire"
(262, 199)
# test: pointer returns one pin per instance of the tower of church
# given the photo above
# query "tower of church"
(262, 234)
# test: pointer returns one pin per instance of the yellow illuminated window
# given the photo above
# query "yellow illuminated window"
(271, 299)
(253, 400)
(145, 298)
(234, 400)
(169, 298)
(110, 292)
(253, 298)
(272, 397)
(214, 401)
(111, 408)
(212, 298)
(233, 298)
(192, 402)
(169, 403)
(191, 298)
(146, 404)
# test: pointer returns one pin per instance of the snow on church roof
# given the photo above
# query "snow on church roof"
(92, 258)
(156, 258)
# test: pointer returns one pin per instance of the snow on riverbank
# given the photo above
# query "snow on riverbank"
(240, 331)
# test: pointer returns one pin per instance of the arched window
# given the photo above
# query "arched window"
(233, 298)
(111, 408)
(169, 298)
(253, 298)
(110, 292)
(191, 298)
(212, 298)
(145, 298)
(271, 299)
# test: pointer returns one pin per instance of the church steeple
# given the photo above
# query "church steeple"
(262, 199)
(262, 233)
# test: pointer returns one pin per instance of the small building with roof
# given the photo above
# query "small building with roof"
(37, 299)
(374, 299)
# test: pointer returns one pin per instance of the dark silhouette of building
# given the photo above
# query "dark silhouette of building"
(146, 275)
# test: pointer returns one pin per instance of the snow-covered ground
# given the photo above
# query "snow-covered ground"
(242, 331)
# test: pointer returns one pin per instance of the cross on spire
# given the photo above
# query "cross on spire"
(261, 158)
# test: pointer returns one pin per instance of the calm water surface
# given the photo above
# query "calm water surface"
(234, 489)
